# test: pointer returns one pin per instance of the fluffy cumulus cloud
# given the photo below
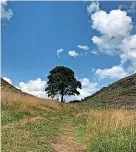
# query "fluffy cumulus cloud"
(93, 7)
(59, 51)
(116, 72)
(128, 48)
(115, 30)
(73, 53)
(83, 47)
(34, 87)
(115, 23)
(88, 88)
(8, 80)
(37, 87)
(5, 13)
(113, 27)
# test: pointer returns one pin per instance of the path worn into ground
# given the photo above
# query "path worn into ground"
(67, 143)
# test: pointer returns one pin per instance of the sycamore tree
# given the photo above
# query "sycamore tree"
(61, 81)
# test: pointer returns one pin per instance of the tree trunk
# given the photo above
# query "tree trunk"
(62, 96)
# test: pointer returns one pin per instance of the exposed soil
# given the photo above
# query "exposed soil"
(67, 143)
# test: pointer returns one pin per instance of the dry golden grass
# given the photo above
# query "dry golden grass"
(44, 119)
(93, 127)
(101, 121)
(27, 102)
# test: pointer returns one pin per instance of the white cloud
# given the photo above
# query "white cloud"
(34, 87)
(4, 2)
(88, 88)
(59, 51)
(132, 8)
(113, 27)
(115, 37)
(94, 52)
(131, 70)
(129, 9)
(73, 53)
(83, 47)
(113, 24)
(37, 87)
(8, 80)
(106, 45)
(128, 48)
(5, 13)
(93, 7)
(116, 72)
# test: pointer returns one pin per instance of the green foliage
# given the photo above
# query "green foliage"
(122, 141)
(62, 81)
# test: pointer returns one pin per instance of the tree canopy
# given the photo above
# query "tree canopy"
(61, 81)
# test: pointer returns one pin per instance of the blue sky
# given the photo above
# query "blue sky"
(33, 32)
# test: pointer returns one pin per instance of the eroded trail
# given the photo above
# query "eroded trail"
(67, 143)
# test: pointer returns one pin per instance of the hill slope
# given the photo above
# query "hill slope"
(6, 86)
(119, 94)
(13, 97)
(32, 124)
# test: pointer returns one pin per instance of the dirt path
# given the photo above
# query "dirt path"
(67, 143)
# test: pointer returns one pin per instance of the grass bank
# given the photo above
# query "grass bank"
(31, 124)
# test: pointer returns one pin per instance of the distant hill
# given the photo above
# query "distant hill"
(121, 93)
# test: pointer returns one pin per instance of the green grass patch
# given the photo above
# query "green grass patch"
(19, 140)
(12, 116)
(47, 129)
(47, 126)
(121, 141)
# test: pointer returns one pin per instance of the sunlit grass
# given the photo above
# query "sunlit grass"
(39, 122)
(109, 130)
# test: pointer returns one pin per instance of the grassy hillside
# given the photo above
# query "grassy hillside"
(36, 125)
(119, 94)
